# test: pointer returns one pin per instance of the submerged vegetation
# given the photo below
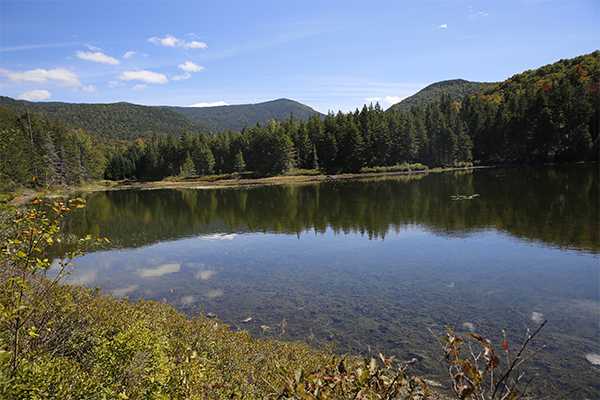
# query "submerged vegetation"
(62, 341)
(69, 342)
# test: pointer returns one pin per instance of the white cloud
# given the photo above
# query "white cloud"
(90, 89)
(211, 294)
(442, 26)
(593, 358)
(130, 54)
(33, 95)
(93, 48)
(172, 41)
(168, 41)
(190, 67)
(113, 84)
(63, 76)
(97, 57)
(393, 99)
(473, 15)
(144, 76)
(188, 300)
(142, 86)
(387, 99)
(195, 45)
(185, 76)
(215, 104)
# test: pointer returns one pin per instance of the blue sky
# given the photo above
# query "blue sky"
(329, 55)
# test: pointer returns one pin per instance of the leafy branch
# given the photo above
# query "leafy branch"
(26, 235)
(481, 375)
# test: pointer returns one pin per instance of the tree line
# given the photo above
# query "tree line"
(547, 115)
(40, 152)
(551, 114)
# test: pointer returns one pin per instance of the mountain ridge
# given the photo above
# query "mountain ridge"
(458, 89)
(218, 118)
(111, 122)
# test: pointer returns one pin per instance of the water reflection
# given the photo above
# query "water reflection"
(158, 271)
(556, 205)
(371, 264)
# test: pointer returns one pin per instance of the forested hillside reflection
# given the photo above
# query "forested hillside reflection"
(555, 205)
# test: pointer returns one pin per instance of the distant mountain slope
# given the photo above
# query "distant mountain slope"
(585, 67)
(456, 88)
(235, 117)
(109, 122)
(126, 121)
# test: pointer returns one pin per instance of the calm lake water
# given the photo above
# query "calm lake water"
(372, 264)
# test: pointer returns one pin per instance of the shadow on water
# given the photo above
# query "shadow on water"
(371, 263)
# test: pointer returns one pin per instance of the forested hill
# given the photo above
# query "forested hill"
(109, 122)
(457, 89)
(125, 121)
(551, 114)
(235, 117)
(581, 72)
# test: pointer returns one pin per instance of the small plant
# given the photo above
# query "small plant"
(341, 379)
(478, 373)
(23, 267)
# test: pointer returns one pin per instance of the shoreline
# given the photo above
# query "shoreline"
(210, 181)
(207, 183)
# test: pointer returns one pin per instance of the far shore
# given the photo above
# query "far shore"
(212, 181)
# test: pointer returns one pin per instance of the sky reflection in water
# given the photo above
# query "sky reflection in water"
(375, 293)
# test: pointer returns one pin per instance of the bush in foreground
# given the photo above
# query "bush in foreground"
(67, 342)
(60, 341)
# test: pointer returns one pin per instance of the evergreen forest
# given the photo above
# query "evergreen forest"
(43, 153)
(546, 115)
(458, 89)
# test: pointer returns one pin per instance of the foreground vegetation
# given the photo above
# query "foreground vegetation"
(61, 341)
(68, 342)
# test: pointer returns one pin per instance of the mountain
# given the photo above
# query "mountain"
(580, 71)
(456, 88)
(109, 122)
(126, 121)
(235, 117)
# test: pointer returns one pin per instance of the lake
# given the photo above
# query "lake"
(372, 264)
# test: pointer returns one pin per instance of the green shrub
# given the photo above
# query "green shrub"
(67, 342)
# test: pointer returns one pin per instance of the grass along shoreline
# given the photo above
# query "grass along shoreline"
(22, 196)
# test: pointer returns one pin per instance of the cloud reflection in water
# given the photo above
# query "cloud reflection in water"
(158, 271)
